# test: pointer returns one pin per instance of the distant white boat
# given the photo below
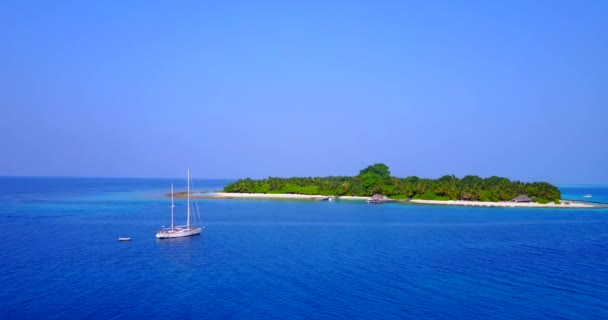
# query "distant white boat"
(587, 196)
(124, 239)
(179, 231)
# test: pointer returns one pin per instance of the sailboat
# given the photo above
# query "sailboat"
(179, 231)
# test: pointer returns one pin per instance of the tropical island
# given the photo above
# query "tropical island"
(376, 179)
(376, 185)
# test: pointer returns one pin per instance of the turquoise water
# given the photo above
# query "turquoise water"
(262, 259)
(577, 192)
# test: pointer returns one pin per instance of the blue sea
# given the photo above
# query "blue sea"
(263, 259)
(598, 194)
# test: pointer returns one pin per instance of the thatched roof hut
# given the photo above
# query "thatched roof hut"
(377, 196)
(522, 198)
(376, 199)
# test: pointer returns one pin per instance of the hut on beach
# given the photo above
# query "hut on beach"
(376, 199)
(522, 198)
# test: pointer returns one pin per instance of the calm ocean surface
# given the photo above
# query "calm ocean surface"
(262, 259)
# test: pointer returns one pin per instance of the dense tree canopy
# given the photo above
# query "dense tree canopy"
(377, 179)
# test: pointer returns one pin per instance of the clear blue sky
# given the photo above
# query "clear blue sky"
(314, 88)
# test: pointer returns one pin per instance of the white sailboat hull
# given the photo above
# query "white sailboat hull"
(178, 233)
(183, 230)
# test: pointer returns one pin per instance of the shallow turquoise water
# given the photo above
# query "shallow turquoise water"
(577, 192)
(261, 259)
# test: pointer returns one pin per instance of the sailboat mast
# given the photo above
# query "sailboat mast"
(172, 206)
(188, 224)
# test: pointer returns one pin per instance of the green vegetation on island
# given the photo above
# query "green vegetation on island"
(377, 179)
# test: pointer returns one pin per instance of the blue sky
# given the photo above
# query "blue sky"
(312, 88)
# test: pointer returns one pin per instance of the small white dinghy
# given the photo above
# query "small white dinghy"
(124, 239)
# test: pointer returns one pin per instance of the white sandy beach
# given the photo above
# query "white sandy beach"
(220, 195)
(277, 196)
(504, 204)
(263, 195)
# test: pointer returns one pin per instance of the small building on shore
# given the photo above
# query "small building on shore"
(522, 198)
(376, 199)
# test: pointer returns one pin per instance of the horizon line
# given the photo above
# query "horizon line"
(102, 177)
(168, 178)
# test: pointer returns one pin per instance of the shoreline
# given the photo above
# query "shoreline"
(461, 203)
(287, 196)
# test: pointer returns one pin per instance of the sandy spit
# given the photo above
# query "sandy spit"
(231, 195)
(504, 204)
